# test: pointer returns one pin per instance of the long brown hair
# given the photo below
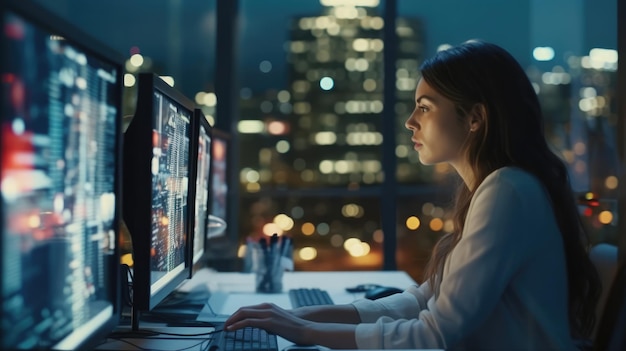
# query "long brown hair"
(512, 135)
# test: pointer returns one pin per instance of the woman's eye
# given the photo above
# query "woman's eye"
(422, 108)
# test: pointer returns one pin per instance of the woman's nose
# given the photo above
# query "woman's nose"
(410, 123)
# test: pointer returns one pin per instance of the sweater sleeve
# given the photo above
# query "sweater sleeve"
(475, 276)
(408, 303)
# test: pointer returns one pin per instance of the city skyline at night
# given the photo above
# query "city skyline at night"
(309, 106)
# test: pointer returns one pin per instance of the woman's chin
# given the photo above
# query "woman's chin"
(426, 161)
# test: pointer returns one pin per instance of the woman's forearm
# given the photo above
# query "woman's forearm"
(329, 314)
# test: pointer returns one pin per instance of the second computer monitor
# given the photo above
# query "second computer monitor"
(156, 190)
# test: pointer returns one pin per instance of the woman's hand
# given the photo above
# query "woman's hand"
(275, 320)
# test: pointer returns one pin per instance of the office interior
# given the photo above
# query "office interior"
(308, 155)
(318, 150)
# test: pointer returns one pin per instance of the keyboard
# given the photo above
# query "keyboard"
(309, 297)
(247, 339)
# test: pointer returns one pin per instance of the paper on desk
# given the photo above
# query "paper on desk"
(223, 304)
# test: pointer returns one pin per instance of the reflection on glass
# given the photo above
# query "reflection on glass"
(327, 233)
(318, 126)
(216, 226)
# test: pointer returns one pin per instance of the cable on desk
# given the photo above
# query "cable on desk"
(198, 334)
(174, 319)
(149, 334)
(127, 286)
(153, 349)
(122, 336)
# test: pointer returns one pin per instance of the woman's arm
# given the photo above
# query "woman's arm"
(328, 314)
(508, 221)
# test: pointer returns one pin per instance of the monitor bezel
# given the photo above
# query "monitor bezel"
(46, 20)
(199, 121)
(138, 190)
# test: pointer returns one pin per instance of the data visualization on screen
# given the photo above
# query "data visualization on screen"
(59, 176)
(156, 189)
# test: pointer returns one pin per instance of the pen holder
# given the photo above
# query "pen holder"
(269, 261)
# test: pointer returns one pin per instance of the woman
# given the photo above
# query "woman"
(514, 273)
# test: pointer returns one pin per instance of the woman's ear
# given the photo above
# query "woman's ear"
(477, 117)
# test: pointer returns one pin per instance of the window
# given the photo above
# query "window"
(311, 118)
(308, 107)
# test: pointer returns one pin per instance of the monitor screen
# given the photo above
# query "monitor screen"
(218, 218)
(202, 156)
(59, 178)
(156, 190)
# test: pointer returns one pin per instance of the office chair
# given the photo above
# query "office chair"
(611, 332)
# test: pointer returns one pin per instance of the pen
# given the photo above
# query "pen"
(272, 261)
(266, 280)
(285, 244)
(283, 241)
(273, 243)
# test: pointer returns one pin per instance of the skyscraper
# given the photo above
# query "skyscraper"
(336, 83)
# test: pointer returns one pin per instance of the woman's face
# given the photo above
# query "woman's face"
(439, 133)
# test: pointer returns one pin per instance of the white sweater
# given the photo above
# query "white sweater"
(504, 286)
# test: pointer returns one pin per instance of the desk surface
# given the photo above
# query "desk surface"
(333, 282)
(230, 291)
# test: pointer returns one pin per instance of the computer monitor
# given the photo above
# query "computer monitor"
(60, 120)
(201, 154)
(218, 217)
(156, 191)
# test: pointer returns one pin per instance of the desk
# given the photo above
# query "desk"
(230, 291)
(239, 288)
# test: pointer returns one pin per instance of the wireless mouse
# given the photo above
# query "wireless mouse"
(382, 291)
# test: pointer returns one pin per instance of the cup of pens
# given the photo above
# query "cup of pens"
(271, 257)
